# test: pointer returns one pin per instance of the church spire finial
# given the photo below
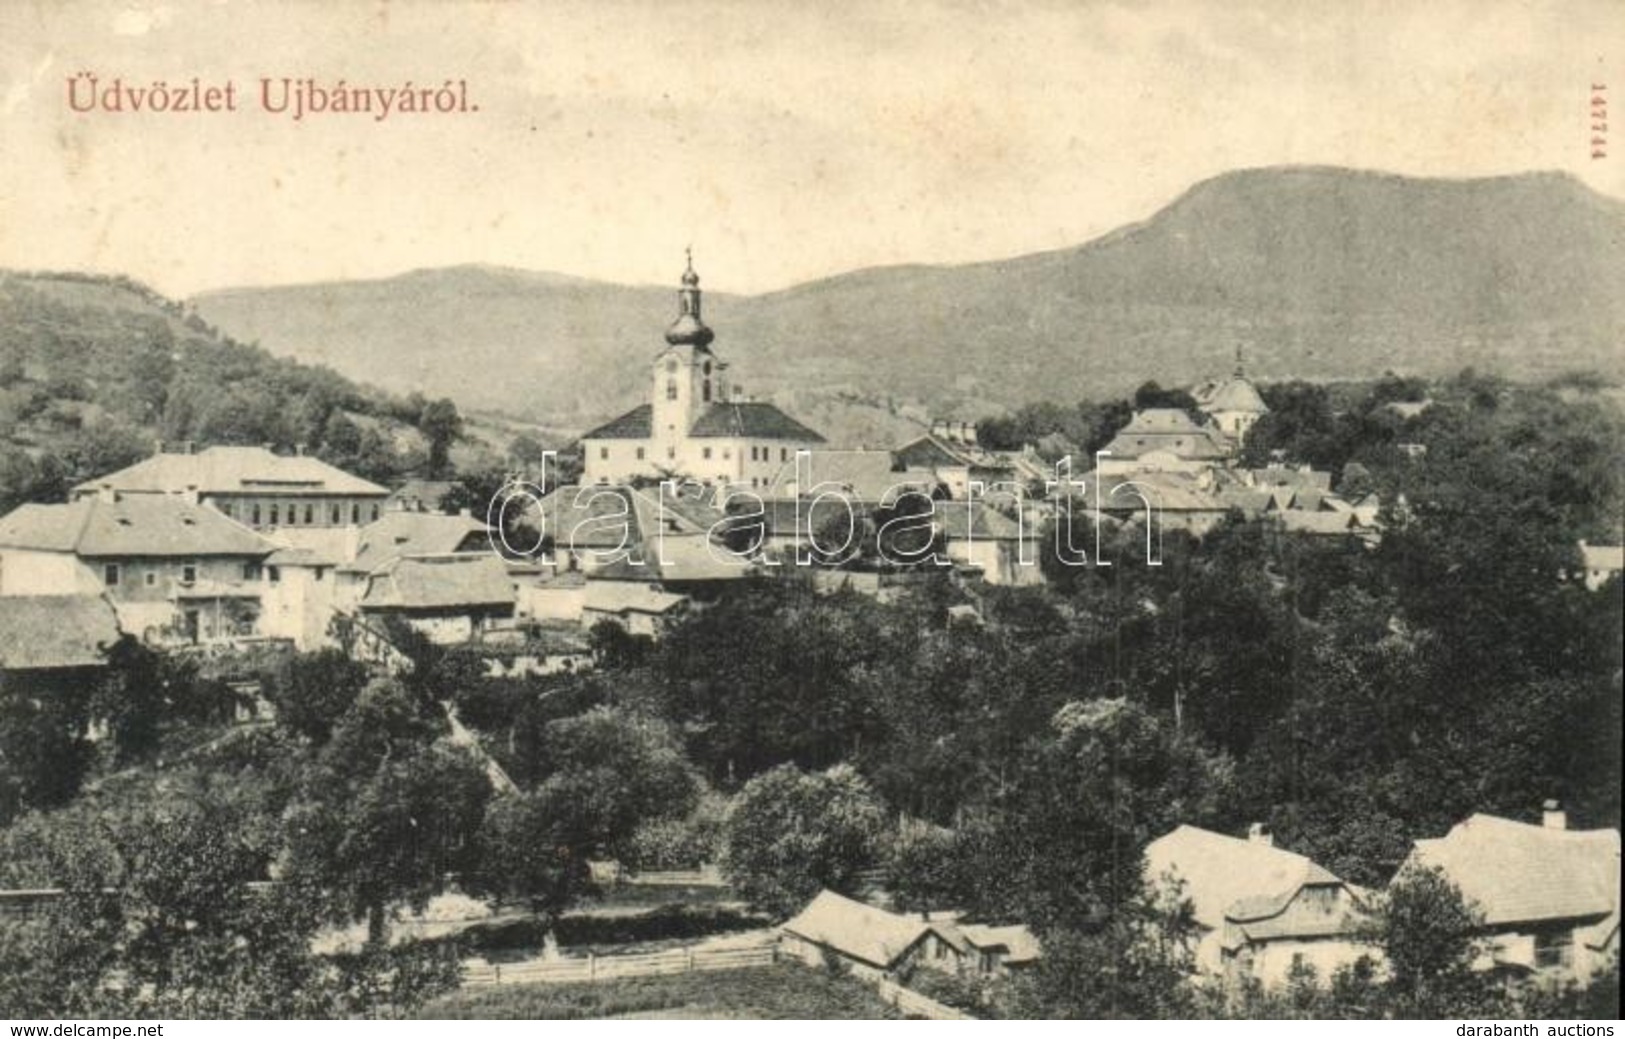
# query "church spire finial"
(689, 329)
(1240, 368)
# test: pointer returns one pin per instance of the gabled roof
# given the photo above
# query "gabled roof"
(1519, 873)
(1165, 491)
(440, 583)
(236, 470)
(1020, 944)
(134, 525)
(859, 931)
(396, 534)
(629, 597)
(975, 521)
(1326, 524)
(1293, 914)
(55, 631)
(1220, 871)
(755, 419)
(930, 450)
(1169, 430)
(637, 424)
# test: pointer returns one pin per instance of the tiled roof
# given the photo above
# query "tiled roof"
(1172, 492)
(859, 931)
(238, 470)
(930, 450)
(1170, 430)
(629, 597)
(1220, 871)
(1021, 945)
(1295, 914)
(396, 534)
(637, 424)
(54, 631)
(1517, 872)
(756, 419)
(974, 521)
(151, 525)
(1324, 524)
(440, 582)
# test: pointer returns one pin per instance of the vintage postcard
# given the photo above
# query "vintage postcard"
(951, 509)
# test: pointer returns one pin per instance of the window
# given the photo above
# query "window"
(355, 513)
(671, 364)
(310, 514)
(225, 509)
(337, 514)
(318, 573)
(274, 514)
(273, 574)
(256, 514)
(705, 453)
(1554, 949)
(640, 454)
(603, 453)
(149, 579)
(671, 451)
(188, 573)
(671, 389)
(784, 454)
(293, 515)
(110, 575)
(251, 571)
(705, 389)
(375, 512)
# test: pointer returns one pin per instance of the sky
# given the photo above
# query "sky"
(784, 141)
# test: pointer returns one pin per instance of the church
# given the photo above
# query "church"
(696, 425)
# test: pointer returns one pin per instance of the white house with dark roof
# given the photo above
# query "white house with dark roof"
(1165, 440)
(1234, 404)
(174, 570)
(449, 598)
(696, 424)
(252, 485)
(1549, 895)
(1261, 909)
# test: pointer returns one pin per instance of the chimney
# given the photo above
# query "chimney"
(1553, 817)
(191, 494)
(1256, 834)
(970, 434)
(158, 449)
(299, 450)
(186, 447)
(106, 494)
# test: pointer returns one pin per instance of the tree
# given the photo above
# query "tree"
(312, 691)
(792, 832)
(442, 425)
(1430, 937)
(387, 809)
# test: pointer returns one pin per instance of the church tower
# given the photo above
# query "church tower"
(687, 377)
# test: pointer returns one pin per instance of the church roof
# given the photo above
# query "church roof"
(1236, 394)
(637, 424)
(755, 419)
(751, 419)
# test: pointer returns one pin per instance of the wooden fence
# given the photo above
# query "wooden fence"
(604, 968)
(916, 1005)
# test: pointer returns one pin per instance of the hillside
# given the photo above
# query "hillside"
(1315, 272)
(95, 370)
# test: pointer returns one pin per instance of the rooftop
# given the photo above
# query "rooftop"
(55, 631)
(1219, 871)
(440, 583)
(133, 525)
(234, 470)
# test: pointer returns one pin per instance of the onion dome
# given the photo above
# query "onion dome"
(689, 329)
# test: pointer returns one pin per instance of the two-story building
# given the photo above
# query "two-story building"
(252, 485)
(175, 571)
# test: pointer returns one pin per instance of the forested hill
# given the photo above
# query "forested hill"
(1318, 273)
(95, 370)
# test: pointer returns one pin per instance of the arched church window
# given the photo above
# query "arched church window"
(671, 389)
(708, 367)
(671, 364)
(705, 390)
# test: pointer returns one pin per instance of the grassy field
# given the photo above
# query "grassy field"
(780, 992)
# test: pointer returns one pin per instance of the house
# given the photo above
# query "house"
(696, 423)
(953, 458)
(419, 495)
(175, 571)
(449, 598)
(1261, 909)
(875, 944)
(1167, 499)
(1164, 440)
(253, 486)
(49, 639)
(405, 533)
(642, 609)
(1601, 563)
(1002, 549)
(1549, 895)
